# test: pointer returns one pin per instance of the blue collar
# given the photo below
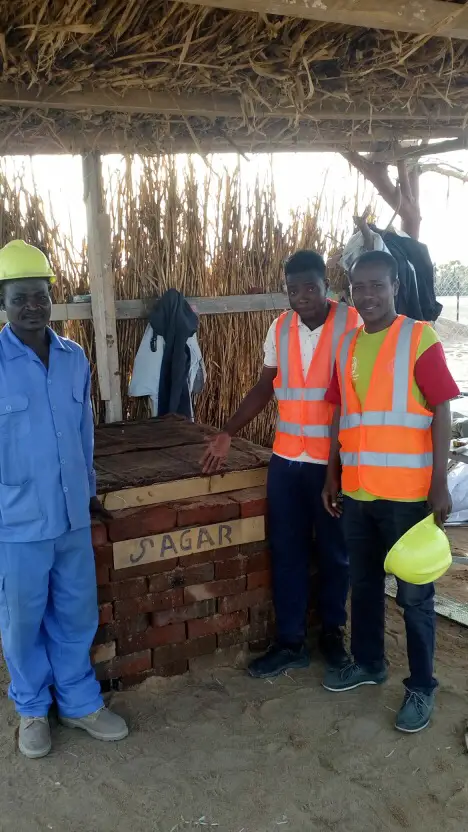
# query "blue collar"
(14, 348)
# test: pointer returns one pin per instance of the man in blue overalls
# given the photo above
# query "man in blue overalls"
(48, 603)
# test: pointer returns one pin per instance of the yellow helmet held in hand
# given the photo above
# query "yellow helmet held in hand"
(422, 555)
(19, 260)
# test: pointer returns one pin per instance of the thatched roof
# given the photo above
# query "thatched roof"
(197, 77)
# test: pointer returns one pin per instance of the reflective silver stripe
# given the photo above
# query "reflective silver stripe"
(383, 460)
(376, 418)
(385, 418)
(343, 361)
(402, 367)
(349, 459)
(353, 420)
(309, 431)
(299, 394)
(339, 326)
(284, 349)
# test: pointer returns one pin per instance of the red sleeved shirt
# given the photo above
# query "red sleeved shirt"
(431, 374)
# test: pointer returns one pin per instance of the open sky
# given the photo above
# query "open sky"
(297, 178)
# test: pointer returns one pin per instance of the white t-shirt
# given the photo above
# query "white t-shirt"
(308, 340)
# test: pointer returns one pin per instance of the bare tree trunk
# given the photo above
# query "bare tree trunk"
(403, 198)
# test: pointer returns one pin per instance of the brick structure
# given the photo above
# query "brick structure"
(179, 578)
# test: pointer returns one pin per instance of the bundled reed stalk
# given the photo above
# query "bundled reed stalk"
(205, 236)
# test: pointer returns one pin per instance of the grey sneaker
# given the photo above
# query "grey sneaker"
(34, 737)
(352, 676)
(415, 712)
(101, 725)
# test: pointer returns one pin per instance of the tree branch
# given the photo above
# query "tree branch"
(397, 152)
(444, 169)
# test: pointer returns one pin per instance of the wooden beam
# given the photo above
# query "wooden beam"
(433, 17)
(146, 102)
(127, 309)
(304, 140)
(102, 288)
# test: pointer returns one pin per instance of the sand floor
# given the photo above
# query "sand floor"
(217, 750)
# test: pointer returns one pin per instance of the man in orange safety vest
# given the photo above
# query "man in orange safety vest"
(299, 358)
(392, 429)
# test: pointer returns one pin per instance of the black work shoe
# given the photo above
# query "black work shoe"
(277, 660)
(331, 644)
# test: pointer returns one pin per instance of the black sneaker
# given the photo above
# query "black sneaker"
(277, 660)
(331, 644)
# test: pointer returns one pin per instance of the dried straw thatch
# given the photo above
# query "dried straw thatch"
(264, 63)
(206, 237)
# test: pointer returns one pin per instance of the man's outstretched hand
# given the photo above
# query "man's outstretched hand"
(216, 453)
(97, 510)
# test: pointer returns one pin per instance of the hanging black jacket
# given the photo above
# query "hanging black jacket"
(174, 319)
(416, 297)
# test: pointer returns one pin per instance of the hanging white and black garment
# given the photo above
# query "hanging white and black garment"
(169, 366)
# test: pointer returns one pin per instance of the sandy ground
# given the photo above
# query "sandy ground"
(217, 750)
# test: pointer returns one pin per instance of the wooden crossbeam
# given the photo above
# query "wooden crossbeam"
(33, 141)
(160, 103)
(432, 17)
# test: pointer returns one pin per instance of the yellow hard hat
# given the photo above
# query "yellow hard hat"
(422, 555)
(18, 260)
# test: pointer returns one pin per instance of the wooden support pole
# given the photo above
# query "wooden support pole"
(101, 283)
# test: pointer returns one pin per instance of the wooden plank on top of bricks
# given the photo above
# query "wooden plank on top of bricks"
(185, 542)
(164, 492)
(236, 480)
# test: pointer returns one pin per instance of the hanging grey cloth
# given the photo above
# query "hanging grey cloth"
(174, 319)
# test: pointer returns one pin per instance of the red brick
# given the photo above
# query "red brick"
(106, 613)
(214, 554)
(143, 569)
(251, 598)
(136, 679)
(149, 603)
(104, 555)
(252, 501)
(182, 577)
(254, 548)
(102, 575)
(173, 669)
(233, 568)
(186, 650)
(164, 582)
(120, 629)
(132, 588)
(202, 511)
(216, 624)
(257, 580)
(152, 637)
(233, 637)
(197, 574)
(185, 613)
(124, 665)
(261, 624)
(258, 562)
(141, 522)
(98, 533)
(214, 589)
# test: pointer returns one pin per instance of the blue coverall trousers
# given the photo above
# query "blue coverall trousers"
(48, 619)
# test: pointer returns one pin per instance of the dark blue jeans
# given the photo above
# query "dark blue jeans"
(371, 529)
(295, 509)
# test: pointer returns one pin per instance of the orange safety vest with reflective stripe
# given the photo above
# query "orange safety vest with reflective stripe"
(386, 446)
(304, 417)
